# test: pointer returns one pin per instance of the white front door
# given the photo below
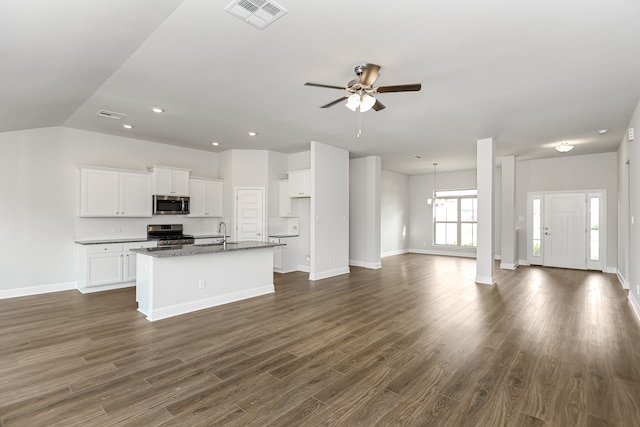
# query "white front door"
(564, 230)
(250, 221)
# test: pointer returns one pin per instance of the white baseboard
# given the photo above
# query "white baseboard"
(392, 253)
(371, 265)
(611, 270)
(36, 290)
(508, 266)
(107, 287)
(624, 282)
(635, 303)
(443, 253)
(485, 280)
(178, 309)
(304, 268)
(329, 273)
(524, 262)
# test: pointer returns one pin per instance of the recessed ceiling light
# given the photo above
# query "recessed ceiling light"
(157, 110)
(127, 126)
(252, 134)
(214, 143)
(603, 131)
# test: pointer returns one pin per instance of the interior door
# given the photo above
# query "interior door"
(564, 230)
(250, 222)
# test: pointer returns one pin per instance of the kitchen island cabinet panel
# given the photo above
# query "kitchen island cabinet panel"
(175, 282)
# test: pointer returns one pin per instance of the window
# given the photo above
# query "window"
(536, 226)
(455, 218)
(594, 234)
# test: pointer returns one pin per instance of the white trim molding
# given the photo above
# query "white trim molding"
(329, 273)
(624, 282)
(371, 265)
(443, 253)
(635, 304)
(508, 266)
(396, 252)
(37, 290)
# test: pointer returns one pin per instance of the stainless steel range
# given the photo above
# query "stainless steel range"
(168, 235)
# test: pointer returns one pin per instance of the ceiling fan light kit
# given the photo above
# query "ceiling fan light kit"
(361, 91)
(564, 147)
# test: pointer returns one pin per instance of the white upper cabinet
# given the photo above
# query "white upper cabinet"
(284, 205)
(300, 183)
(205, 197)
(170, 181)
(114, 193)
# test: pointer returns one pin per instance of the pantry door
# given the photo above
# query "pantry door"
(250, 221)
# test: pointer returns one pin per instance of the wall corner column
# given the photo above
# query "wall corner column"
(485, 268)
(508, 233)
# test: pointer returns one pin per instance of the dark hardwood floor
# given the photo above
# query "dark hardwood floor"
(416, 343)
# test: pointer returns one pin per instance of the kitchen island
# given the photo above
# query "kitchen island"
(174, 281)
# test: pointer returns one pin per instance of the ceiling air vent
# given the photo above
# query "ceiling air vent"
(110, 114)
(258, 13)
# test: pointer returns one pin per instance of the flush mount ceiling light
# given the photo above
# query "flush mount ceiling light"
(603, 131)
(564, 147)
(127, 126)
(215, 144)
(252, 133)
(157, 110)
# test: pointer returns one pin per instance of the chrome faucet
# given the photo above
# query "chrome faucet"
(224, 234)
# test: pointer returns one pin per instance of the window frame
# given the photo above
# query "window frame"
(458, 195)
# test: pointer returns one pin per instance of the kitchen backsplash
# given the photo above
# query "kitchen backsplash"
(110, 228)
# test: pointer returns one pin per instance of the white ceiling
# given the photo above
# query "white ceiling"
(528, 73)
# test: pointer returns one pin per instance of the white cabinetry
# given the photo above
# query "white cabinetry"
(170, 181)
(108, 266)
(284, 205)
(205, 197)
(284, 257)
(300, 183)
(114, 193)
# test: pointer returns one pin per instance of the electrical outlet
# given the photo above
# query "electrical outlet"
(308, 258)
(202, 284)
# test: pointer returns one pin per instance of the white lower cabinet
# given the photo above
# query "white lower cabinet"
(284, 257)
(108, 266)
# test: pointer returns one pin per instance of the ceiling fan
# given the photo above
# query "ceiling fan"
(361, 90)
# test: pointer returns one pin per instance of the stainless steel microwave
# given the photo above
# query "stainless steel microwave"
(170, 205)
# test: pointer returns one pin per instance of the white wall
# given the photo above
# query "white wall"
(629, 201)
(394, 213)
(364, 212)
(570, 173)
(301, 207)
(38, 169)
(329, 211)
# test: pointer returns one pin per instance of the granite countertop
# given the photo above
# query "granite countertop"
(283, 235)
(208, 236)
(122, 240)
(188, 250)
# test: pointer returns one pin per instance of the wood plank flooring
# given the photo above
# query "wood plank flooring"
(416, 343)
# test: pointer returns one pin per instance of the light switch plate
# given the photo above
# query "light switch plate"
(631, 134)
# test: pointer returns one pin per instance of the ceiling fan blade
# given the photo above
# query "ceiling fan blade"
(332, 103)
(327, 86)
(369, 75)
(378, 106)
(399, 88)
